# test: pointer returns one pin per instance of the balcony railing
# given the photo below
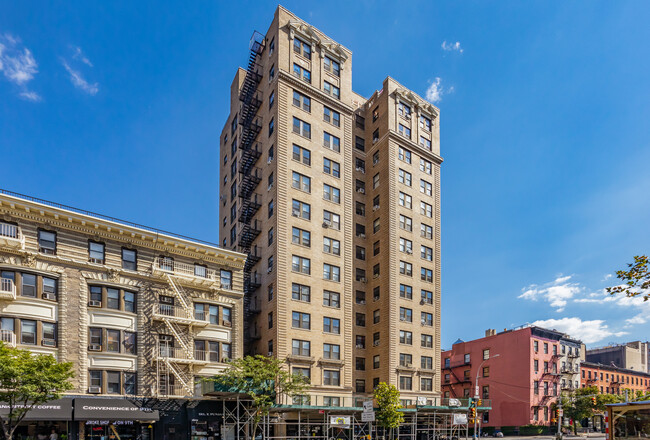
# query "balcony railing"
(8, 337)
(172, 353)
(172, 311)
(172, 390)
(190, 271)
(11, 236)
(7, 288)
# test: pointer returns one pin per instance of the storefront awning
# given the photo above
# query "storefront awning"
(112, 409)
(55, 410)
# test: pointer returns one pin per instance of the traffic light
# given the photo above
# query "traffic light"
(472, 413)
(593, 401)
(479, 403)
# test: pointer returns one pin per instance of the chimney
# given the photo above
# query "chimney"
(490, 332)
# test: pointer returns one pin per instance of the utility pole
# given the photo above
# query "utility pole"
(559, 418)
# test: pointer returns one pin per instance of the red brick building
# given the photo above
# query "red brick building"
(613, 380)
(521, 371)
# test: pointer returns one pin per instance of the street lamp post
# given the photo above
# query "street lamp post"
(476, 395)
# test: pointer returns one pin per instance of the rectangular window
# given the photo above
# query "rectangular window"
(405, 382)
(331, 193)
(301, 48)
(302, 128)
(332, 116)
(331, 220)
(425, 123)
(301, 101)
(49, 334)
(331, 89)
(96, 252)
(405, 315)
(331, 377)
(331, 299)
(426, 297)
(426, 384)
(300, 237)
(301, 182)
(405, 291)
(332, 168)
(405, 337)
(405, 245)
(405, 200)
(426, 231)
(405, 268)
(332, 351)
(300, 348)
(28, 285)
(425, 188)
(331, 325)
(375, 181)
(426, 275)
(426, 209)
(425, 166)
(360, 144)
(95, 339)
(129, 259)
(113, 341)
(405, 223)
(271, 126)
(360, 364)
(425, 143)
(300, 292)
(130, 383)
(113, 298)
(301, 264)
(332, 142)
(95, 379)
(331, 246)
(129, 343)
(426, 319)
(301, 154)
(301, 72)
(404, 131)
(331, 66)
(360, 319)
(404, 155)
(46, 242)
(405, 360)
(404, 177)
(113, 382)
(129, 301)
(301, 209)
(426, 362)
(426, 341)
(426, 253)
(301, 320)
(331, 273)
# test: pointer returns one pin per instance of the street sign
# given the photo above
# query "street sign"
(367, 405)
(560, 412)
(476, 392)
(368, 416)
(422, 401)
(460, 419)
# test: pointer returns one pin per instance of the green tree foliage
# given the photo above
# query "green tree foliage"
(579, 405)
(636, 279)
(28, 380)
(388, 404)
(262, 379)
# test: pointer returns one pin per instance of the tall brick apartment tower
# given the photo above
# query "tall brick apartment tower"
(336, 200)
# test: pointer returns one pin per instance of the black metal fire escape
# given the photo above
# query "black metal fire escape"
(250, 177)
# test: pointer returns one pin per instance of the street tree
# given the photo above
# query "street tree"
(580, 404)
(388, 403)
(28, 380)
(263, 379)
(636, 279)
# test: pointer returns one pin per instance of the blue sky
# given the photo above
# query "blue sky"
(116, 107)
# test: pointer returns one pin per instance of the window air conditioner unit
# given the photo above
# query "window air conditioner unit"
(270, 159)
(362, 235)
(49, 343)
(327, 224)
(363, 301)
(270, 187)
(376, 207)
(295, 213)
(375, 343)
(363, 280)
(270, 353)
(361, 191)
(269, 270)
(408, 364)
(50, 296)
(95, 347)
(227, 324)
(410, 252)
(376, 275)
(422, 302)
(94, 303)
(94, 390)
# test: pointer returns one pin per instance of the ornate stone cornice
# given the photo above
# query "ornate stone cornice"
(313, 36)
(409, 97)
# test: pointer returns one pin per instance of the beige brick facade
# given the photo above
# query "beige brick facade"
(263, 201)
(110, 309)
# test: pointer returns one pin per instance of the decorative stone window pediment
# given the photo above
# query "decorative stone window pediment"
(308, 34)
(410, 98)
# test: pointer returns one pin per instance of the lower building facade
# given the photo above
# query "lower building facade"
(610, 379)
(143, 315)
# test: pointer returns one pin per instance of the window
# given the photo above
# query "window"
(425, 187)
(360, 342)
(331, 377)
(270, 234)
(49, 288)
(375, 181)
(405, 291)
(360, 121)
(332, 273)
(331, 66)
(405, 200)
(376, 225)
(301, 72)
(113, 382)
(426, 231)
(375, 293)
(300, 209)
(405, 315)
(332, 116)
(302, 128)
(405, 245)
(426, 384)
(301, 320)
(405, 382)
(300, 292)
(426, 341)
(375, 136)
(300, 237)
(425, 123)
(331, 351)
(405, 337)
(129, 259)
(426, 362)
(427, 297)
(272, 73)
(405, 223)
(360, 319)
(46, 242)
(301, 182)
(426, 319)
(536, 366)
(270, 320)
(301, 264)
(376, 316)
(425, 166)
(332, 142)
(300, 347)
(331, 325)
(331, 246)
(375, 158)
(48, 334)
(96, 252)
(404, 131)
(301, 101)
(270, 207)
(113, 298)
(129, 342)
(375, 362)
(545, 347)
(331, 193)
(271, 126)
(405, 360)
(331, 89)
(331, 220)
(226, 279)
(426, 275)
(28, 284)
(426, 253)
(303, 371)
(405, 268)
(404, 155)
(331, 299)
(302, 48)
(301, 154)
(271, 99)
(404, 177)
(536, 347)
(425, 143)
(359, 144)
(426, 209)
(332, 168)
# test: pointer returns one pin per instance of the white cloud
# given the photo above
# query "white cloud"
(557, 293)
(587, 331)
(18, 65)
(449, 47)
(78, 80)
(30, 96)
(79, 55)
(436, 90)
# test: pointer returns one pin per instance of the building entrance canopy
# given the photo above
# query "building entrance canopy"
(56, 410)
(112, 409)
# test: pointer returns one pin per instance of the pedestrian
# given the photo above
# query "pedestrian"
(54, 435)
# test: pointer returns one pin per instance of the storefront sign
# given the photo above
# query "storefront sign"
(454, 402)
(340, 421)
(460, 419)
(112, 409)
(56, 410)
